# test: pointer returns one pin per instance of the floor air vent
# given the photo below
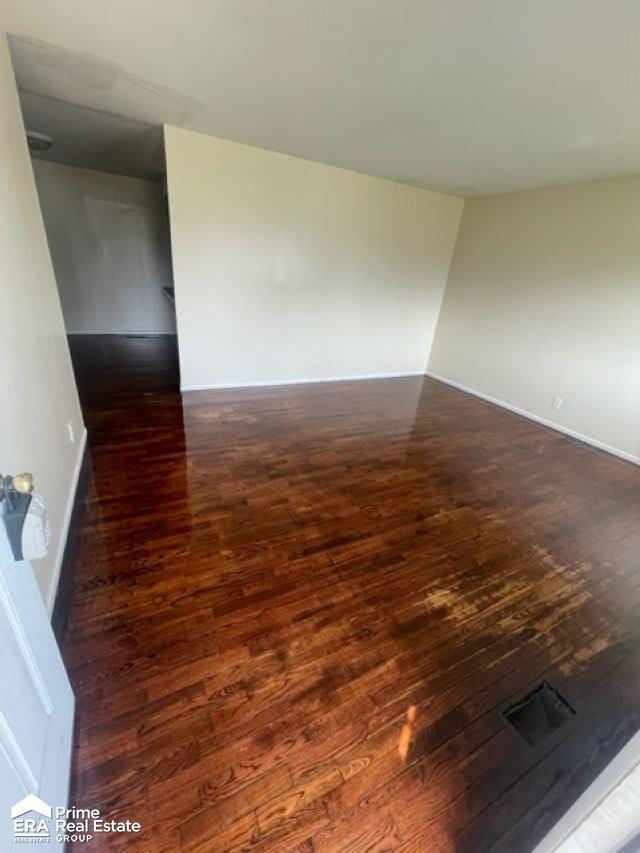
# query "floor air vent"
(539, 714)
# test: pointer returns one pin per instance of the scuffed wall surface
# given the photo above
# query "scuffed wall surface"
(109, 241)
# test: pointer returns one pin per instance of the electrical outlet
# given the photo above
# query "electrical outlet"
(71, 432)
(556, 403)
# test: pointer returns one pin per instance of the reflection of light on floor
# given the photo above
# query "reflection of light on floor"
(406, 735)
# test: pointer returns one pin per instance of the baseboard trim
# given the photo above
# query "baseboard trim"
(66, 522)
(516, 410)
(269, 383)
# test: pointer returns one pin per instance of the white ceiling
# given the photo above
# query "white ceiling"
(459, 95)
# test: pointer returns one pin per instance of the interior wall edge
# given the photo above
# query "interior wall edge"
(447, 277)
(579, 436)
(66, 523)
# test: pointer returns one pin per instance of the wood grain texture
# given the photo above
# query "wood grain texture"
(298, 613)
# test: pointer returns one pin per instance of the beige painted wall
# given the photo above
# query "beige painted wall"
(289, 270)
(543, 299)
(37, 389)
(109, 242)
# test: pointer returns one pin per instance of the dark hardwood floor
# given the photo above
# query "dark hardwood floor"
(299, 613)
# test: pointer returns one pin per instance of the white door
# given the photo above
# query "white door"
(36, 705)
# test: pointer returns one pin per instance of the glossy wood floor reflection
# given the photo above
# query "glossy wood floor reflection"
(298, 613)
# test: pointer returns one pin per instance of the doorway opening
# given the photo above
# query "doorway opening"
(101, 182)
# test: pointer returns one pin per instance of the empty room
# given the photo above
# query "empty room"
(320, 437)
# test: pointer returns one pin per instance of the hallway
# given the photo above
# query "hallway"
(298, 613)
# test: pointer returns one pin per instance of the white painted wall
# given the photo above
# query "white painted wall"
(109, 241)
(287, 270)
(543, 299)
(37, 389)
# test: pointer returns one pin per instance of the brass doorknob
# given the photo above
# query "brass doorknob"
(22, 483)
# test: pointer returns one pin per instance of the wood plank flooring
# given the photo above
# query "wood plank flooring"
(298, 613)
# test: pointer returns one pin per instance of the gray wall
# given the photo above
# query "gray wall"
(109, 242)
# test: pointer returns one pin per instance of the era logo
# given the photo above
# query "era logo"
(31, 818)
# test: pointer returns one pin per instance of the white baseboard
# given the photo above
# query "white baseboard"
(600, 445)
(275, 382)
(66, 521)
